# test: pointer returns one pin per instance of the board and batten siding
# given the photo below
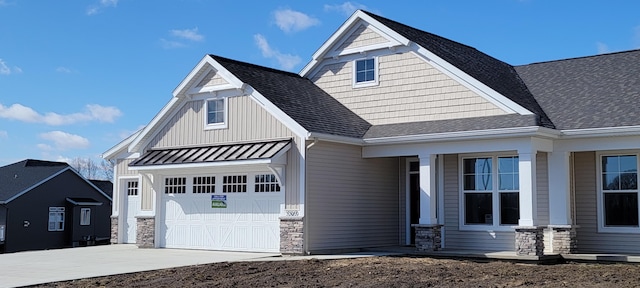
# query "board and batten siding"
(589, 239)
(467, 240)
(247, 121)
(122, 168)
(362, 36)
(409, 90)
(351, 202)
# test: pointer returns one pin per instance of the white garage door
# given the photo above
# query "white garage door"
(249, 222)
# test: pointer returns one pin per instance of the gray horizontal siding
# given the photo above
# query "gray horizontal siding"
(351, 202)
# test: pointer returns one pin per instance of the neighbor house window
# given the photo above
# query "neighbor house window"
(56, 218)
(266, 183)
(204, 184)
(216, 113)
(85, 216)
(175, 185)
(132, 188)
(234, 184)
(365, 72)
(619, 190)
(490, 191)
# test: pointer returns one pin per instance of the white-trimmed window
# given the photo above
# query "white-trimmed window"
(365, 72)
(266, 183)
(132, 188)
(490, 191)
(216, 113)
(175, 185)
(618, 193)
(56, 218)
(85, 216)
(234, 184)
(204, 184)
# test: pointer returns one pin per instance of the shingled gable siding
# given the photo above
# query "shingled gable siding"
(468, 240)
(351, 202)
(247, 121)
(409, 90)
(361, 37)
(212, 79)
(589, 240)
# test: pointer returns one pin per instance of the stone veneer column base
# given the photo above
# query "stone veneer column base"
(145, 235)
(563, 239)
(529, 240)
(114, 229)
(292, 235)
(428, 237)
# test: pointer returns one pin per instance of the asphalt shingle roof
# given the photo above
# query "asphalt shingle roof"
(589, 92)
(492, 72)
(16, 177)
(298, 97)
(105, 185)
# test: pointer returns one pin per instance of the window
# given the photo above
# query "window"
(175, 185)
(85, 216)
(132, 188)
(619, 190)
(216, 115)
(266, 183)
(56, 218)
(490, 191)
(204, 184)
(234, 184)
(365, 72)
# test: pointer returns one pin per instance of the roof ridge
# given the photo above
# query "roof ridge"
(582, 57)
(217, 57)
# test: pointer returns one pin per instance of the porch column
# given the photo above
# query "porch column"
(529, 237)
(563, 234)
(428, 236)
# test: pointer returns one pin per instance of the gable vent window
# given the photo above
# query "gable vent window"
(216, 113)
(365, 72)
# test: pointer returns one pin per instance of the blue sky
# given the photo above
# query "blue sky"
(76, 77)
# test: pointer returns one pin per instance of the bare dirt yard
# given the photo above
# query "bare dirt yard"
(394, 271)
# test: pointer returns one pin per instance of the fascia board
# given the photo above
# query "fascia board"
(190, 76)
(276, 112)
(343, 31)
(473, 84)
(38, 184)
(120, 147)
(144, 135)
(601, 132)
(466, 135)
(206, 61)
(334, 138)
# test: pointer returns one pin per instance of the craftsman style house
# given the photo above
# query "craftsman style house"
(389, 136)
(47, 205)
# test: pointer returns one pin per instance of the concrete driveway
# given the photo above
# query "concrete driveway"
(37, 267)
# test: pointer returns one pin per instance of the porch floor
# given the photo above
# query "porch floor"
(509, 255)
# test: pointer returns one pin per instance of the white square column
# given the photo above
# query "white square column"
(559, 188)
(428, 192)
(528, 189)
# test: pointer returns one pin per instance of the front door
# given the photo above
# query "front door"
(131, 204)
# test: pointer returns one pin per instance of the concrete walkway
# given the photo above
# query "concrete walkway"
(37, 267)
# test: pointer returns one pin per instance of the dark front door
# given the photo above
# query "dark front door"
(414, 197)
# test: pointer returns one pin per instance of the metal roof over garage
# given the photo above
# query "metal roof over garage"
(214, 153)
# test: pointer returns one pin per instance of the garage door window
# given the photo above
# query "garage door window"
(266, 183)
(204, 184)
(234, 184)
(175, 185)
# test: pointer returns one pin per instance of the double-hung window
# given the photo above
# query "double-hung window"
(619, 192)
(490, 191)
(56, 219)
(365, 72)
(216, 113)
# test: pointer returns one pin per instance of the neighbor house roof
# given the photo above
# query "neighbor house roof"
(18, 177)
(492, 72)
(300, 98)
(588, 92)
(105, 185)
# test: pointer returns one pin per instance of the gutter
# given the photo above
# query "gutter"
(601, 132)
(468, 135)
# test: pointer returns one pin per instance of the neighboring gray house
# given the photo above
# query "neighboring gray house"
(389, 136)
(46, 205)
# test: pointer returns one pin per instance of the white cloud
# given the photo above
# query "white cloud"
(346, 8)
(6, 70)
(189, 34)
(97, 8)
(93, 112)
(63, 70)
(4, 134)
(168, 44)
(602, 48)
(63, 141)
(292, 21)
(44, 147)
(286, 61)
